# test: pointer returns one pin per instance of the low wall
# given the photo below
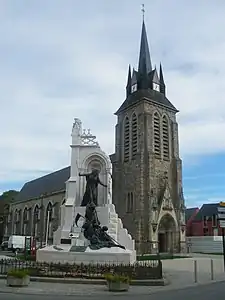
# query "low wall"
(204, 244)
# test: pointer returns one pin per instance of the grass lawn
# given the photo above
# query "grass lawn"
(160, 256)
(209, 253)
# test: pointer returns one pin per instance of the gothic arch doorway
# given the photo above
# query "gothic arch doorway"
(166, 234)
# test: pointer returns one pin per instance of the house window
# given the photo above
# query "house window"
(157, 142)
(205, 221)
(205, 231)
(214, 221)
(134, 135)
(165, 138)
(126, 139)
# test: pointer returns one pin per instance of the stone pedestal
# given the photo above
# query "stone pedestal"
(63, 255)
(72, 247)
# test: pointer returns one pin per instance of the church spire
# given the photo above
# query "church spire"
(161, 80)
(144, 65)
(145, 83)
(128, 87)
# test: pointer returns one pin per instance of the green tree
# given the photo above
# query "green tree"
(9, 196)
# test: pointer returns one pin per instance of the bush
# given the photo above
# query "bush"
(18, 273)
(25, 257)
(117, 278)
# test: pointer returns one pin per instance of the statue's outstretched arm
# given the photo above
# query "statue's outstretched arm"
(99, 181)
(85, 174)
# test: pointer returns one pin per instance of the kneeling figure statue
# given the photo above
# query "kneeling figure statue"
(94, 232)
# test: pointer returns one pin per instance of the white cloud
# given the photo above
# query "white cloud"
(71, 60)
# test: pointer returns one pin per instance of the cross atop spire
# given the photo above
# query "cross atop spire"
(143, 12)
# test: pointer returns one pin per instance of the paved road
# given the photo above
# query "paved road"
(5, 254)
(206, 292)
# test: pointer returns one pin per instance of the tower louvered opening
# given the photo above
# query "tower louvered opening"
(134, 135)
(165, 138)
(126, 139)
(130, 202)
(157, 143)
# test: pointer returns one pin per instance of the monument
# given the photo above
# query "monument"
(90, 230)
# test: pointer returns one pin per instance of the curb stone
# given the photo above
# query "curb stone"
(148, 282)
(97, 293)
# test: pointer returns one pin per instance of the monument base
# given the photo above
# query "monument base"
(69, 254)
(70, 246)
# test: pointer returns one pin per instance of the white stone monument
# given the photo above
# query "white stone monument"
(69, 243)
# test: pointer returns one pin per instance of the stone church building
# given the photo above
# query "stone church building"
(147, 171)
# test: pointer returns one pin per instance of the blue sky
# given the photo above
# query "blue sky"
(61, 59)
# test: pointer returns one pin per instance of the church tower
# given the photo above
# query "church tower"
(147, 169)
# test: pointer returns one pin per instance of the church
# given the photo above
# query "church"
(146, 171)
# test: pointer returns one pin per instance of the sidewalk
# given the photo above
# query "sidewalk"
(44, 288)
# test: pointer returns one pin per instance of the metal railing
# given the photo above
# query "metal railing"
(139, 271)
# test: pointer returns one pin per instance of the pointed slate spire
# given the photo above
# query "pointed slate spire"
(161, 79)
(144, 65)
(134, 77)
(155, 78)
(128, 87)
(161, 74)
(129, 76)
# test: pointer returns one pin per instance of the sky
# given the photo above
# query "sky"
(63, 59)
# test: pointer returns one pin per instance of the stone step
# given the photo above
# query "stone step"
(114, 236)
(112, 231)
(113, 218)
(112, 227)
(113, 215)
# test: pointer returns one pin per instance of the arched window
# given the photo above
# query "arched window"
(36, 219)
(17, 224)
(130, 204)
(17, 215)
(49, 211)
(25, 215)
(26, 219)
(134, 135)
(36, 213)
(165, 138)
(126, 139)
(156, 128)
(48, 221)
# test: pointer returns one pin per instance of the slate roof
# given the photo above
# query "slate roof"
(189, 213)
(207, 210)
(148, 95)
(49, 183)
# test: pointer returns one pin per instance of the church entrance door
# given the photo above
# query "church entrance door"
(166, 234)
